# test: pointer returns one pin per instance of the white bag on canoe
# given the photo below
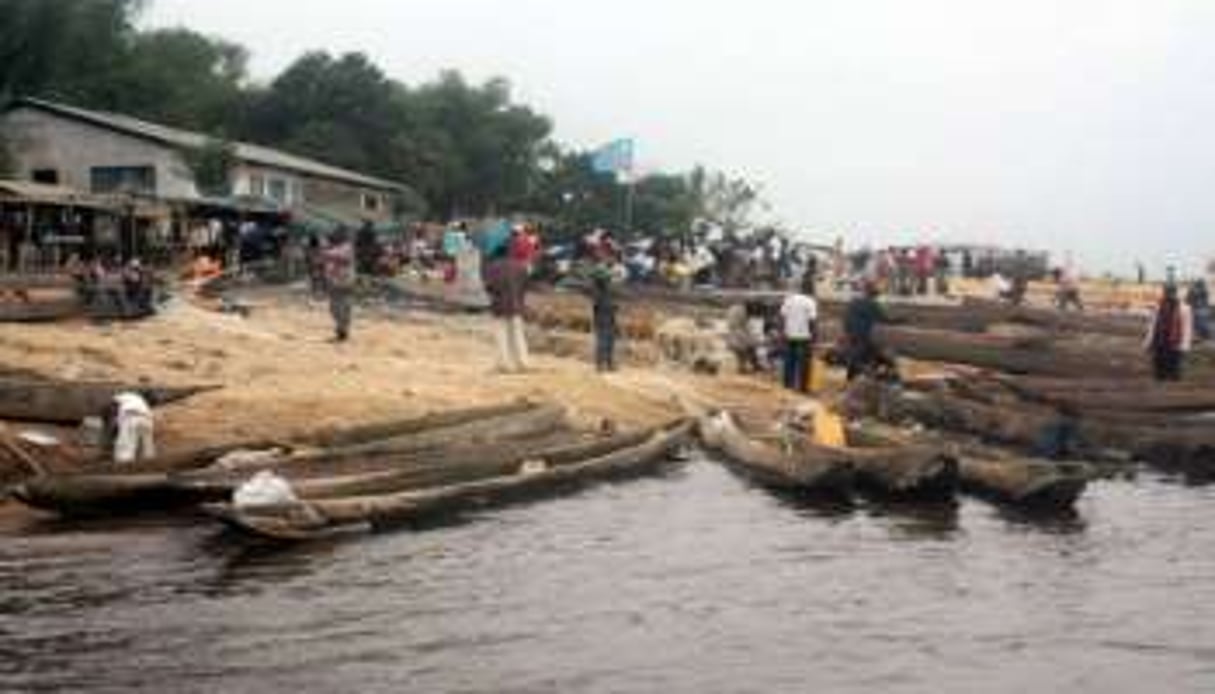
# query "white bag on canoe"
(264, 489)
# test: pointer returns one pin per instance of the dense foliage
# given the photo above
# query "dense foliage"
(467, 149)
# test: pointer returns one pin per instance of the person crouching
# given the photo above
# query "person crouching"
(131, 418)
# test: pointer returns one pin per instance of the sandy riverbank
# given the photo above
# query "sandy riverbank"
(281, 376)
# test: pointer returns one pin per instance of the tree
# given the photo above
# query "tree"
(180, 77)
(212, 166)
(724, 201)
(64, 49)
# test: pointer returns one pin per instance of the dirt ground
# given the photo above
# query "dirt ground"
(282, 377)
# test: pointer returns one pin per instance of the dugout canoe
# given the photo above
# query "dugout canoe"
(310, 519)
(353, 435)
(905, 473)
(83, 495)
(154, 485)
(1026, 484)
(69, 402)
(825, 474)
(492, 424)
(890, 469)
(1187, 447)
(997, 475)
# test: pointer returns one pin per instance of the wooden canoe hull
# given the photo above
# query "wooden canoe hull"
(153, 484)
(66, 402)
(1027, 484)
(912, 473)
(94, 495)
(825, 472)
(1186, 448)
(321, 518)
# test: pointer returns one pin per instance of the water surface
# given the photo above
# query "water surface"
(694, 581)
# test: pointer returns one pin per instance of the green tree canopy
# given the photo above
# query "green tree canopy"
(468, 149)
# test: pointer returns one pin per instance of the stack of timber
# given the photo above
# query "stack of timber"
(310, 518)
(378, 448)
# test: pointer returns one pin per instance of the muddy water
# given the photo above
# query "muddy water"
(692, 582)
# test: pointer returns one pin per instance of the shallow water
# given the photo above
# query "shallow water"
(694, 581)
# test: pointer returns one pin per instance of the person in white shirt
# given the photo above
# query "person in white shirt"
(799, 312)
(133, 419)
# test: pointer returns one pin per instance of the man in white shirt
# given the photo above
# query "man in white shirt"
(800, 313)
(133, 419)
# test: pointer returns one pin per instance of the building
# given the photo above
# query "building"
(105, 153)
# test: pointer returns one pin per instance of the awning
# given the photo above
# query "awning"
(45, 194)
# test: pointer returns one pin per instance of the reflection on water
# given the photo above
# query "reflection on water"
(693, 582)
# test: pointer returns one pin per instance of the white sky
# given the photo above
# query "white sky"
(1073, 125)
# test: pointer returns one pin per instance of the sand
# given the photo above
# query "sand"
(282, 377)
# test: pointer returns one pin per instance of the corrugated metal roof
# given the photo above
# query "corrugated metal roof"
(254, 154)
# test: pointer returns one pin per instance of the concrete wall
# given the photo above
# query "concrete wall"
(39, 140)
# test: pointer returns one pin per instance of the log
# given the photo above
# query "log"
(1129, 395)
(69, 402)
(1012, 355)
(1116, 325)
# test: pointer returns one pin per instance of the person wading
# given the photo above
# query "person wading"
(860, 318)
(339, 280)
(506, 282)
(1169, 336)
(800, 312)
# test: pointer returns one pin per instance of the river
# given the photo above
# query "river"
(694, 581)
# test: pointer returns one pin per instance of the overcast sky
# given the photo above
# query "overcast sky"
(1072, 125)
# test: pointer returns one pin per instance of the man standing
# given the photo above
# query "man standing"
(799, 311)
(339, 280)
(603, 318)
(132, 418)
(860, 318)
(506, 282)
(1170, 334)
